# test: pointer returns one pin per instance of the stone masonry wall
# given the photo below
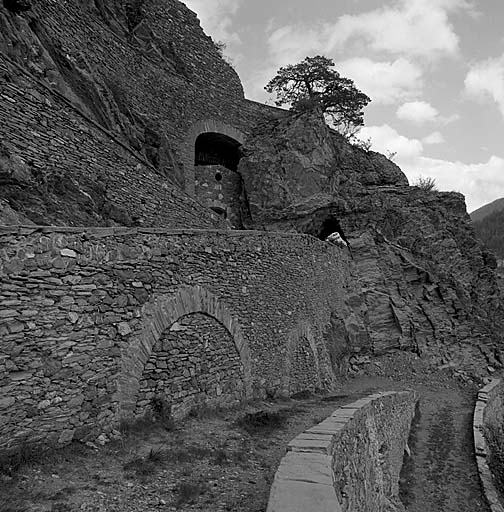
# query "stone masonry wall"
(488, 433)
(81, 311)
(194, 361)
(349, 462)
(54, 144)
(150, 85)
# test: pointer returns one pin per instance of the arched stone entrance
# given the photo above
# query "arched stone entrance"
(211, 335)
(213, 132)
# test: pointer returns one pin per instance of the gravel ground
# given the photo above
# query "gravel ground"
(226, 460)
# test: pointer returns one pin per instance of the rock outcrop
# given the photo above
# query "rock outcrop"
(423, 281)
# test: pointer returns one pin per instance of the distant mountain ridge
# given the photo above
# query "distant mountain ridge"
(487, 209)
(488, 223)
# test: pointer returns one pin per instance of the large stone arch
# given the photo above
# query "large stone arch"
(158, 315)
(301, 335)
(205, 126)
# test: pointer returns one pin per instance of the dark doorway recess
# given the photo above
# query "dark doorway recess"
(329, 226)
(217, 149)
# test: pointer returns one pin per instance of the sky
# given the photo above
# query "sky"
(434, 70)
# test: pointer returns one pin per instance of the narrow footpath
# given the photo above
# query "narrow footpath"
(441, 473)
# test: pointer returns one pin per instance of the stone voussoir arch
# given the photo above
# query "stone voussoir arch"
(160, 314)
(204, 126)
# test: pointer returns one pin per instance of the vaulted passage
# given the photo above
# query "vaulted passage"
(194, 361)
(217, 149)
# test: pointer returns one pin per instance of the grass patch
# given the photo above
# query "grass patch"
(189, 492)
(333, 398)
(157, 458)
(263, 421)
(10, 504)
(25, 455)
(206, 412)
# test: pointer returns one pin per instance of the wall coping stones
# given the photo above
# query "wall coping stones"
(304, 479)
(112, 231)
(481, 448)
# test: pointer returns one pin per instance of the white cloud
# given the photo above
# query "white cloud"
(383, 82)
(216, 17)
(434, 138)
(292, 43)
(417, 112)
(385, 139)
(486, 80)
(410, 27)
(480, 182)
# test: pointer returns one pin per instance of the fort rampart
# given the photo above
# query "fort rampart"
(98, 323)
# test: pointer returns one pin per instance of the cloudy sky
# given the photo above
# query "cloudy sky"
(434, 70)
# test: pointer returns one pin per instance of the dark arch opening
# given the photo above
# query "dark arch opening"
(329, 226)
(217, 149)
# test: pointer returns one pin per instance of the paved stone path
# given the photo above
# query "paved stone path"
(441, 474)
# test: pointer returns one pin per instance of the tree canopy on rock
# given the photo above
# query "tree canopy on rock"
(313, 83)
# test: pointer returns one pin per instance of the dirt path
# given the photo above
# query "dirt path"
(214, 463)
(441, 474)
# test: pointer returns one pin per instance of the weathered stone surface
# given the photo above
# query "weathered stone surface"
(424, 281)
(192, 338)
(353, 463)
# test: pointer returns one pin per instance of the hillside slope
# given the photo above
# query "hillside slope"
(490, 230)
(487, 209)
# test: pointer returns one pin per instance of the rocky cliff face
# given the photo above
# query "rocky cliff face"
(423, 282)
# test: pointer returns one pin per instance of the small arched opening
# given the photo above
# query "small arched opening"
(217, 149)
(329, 226)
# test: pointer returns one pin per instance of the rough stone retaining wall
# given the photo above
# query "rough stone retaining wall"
(53, 139)
(349, 462)
(83, 310)
(166, 73)
(488, 412)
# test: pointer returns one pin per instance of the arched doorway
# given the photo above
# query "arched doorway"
(217, 149)
(202, 346)
(213, 152)
(194, 361)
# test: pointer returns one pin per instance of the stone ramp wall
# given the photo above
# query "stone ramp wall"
(487, 422)
(81, 311)
(150, 86)
(93, 175)
(350, 461)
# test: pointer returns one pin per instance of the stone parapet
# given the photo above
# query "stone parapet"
(350, 461)
(488, 412)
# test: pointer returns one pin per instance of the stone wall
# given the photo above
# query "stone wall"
(57, 167)
(82, 311)
(351, 461)
(488, 438)
(222, 189)
(154, 85)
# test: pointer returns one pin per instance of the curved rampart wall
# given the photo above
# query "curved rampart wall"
(350, 461)
(488, 430)
(82, 311)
